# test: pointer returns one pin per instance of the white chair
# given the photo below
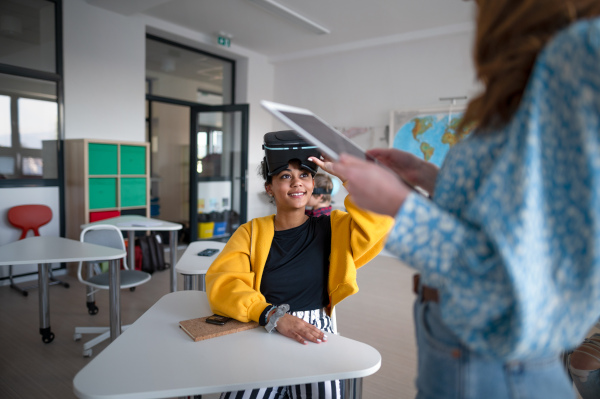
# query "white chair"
(109, 236)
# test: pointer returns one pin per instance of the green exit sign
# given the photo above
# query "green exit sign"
(224, 41)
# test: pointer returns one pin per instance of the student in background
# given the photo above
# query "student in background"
(507, 246)
(285, 271)
(320, 200)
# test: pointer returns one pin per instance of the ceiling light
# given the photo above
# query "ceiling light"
(283, 11)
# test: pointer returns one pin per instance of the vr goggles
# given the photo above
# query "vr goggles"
(283, 146)
(321, 190)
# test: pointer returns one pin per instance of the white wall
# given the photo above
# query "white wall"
(360, 88)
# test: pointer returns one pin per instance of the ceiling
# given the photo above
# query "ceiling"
(353, 23)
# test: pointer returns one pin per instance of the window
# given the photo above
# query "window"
(28, 128)
(30, 95)
(5, 130)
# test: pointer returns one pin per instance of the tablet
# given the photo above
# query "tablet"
(314, 129)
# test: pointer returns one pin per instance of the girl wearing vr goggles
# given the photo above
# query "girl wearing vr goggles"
(285, 271)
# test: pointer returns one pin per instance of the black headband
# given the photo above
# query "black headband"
(321, 190)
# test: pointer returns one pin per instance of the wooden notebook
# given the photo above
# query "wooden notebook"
(198, 329)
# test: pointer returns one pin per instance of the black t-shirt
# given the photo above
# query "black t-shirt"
(297, 269)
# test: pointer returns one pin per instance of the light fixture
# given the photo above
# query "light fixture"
(283, 11)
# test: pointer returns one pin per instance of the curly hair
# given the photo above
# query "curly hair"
(509, 36)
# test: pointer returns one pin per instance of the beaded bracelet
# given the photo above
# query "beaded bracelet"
(268, 312)
(279, 312)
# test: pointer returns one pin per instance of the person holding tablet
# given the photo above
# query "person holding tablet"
(507, 248)
(285, 271)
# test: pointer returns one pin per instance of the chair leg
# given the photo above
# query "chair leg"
(54, 280)
(90, 292)
(104, 335)
(23, 288)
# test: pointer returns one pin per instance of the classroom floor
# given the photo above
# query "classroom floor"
(380, 315)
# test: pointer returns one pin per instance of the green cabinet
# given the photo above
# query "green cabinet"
(102, 159)
(102, 193)
(105, 179)
(133, 160)
(133, 191)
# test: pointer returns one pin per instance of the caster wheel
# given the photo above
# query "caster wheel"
(87, 353)
(25, 293)
(132, 289)
(92, 308)
(67, 285)
(76, 337)
(47, 338)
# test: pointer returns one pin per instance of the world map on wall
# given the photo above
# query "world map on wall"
(429, 136)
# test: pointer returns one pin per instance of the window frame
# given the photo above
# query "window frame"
(56, 78)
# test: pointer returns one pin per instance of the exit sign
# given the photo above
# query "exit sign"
(224, 41)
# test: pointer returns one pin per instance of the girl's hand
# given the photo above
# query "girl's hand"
(327, 167)
(371, 186)
(299, 330)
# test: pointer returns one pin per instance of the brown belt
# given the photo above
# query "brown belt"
(427, 294)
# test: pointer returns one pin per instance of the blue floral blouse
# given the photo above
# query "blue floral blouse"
(512, 235)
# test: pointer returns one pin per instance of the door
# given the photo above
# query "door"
(218, 150)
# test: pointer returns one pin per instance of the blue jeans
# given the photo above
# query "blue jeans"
(449, 370)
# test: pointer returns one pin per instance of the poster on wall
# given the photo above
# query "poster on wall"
(427, 133)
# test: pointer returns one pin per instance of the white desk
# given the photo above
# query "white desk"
(45, 250)
(154, 358)
(194, 267)
(133, 223)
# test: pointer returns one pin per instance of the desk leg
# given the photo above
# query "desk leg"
(202, 282)
(353, 388)
(188, 282)
(114, 298)
(173, 241)
(131, 249)
(44, 303)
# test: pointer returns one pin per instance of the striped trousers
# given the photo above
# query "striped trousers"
(316, 390)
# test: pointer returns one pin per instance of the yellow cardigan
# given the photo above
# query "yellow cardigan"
(233, 279)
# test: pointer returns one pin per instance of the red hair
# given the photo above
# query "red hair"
(509, 36)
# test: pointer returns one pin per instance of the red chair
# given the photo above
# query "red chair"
(30, 217)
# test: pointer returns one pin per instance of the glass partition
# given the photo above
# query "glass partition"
(181, 73)
(28, 34)
(221, 134)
